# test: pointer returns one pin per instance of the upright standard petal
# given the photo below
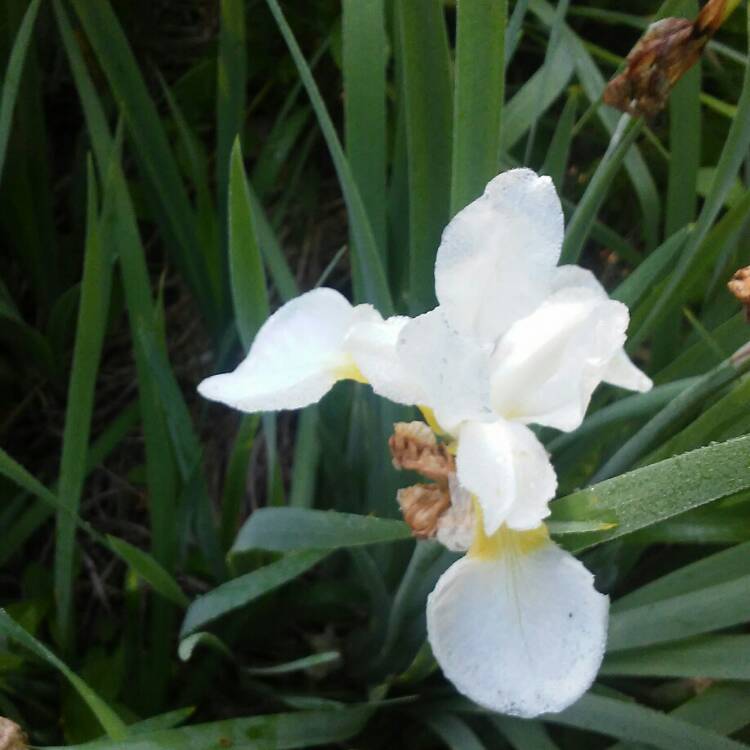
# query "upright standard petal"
(548, 364)
(372, 343)
(296, 357)
(521, 632)
(508, 470)
(452, 370)
(497, 255)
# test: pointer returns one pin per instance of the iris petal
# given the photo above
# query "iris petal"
(521, 633)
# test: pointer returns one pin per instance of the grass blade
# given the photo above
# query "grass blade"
(13, 74)
(92, 321)
(364, 65)
(646, 496)
(478, 97)
(423, 45)
(110, 721)
(247, 277)
(368, 271)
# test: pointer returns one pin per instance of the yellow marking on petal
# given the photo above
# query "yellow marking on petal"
(429, 417)
(504, 540)
(350, 371)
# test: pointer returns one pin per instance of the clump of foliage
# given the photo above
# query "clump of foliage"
(147, 601)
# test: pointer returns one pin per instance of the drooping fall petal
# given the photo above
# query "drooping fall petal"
(521, 632)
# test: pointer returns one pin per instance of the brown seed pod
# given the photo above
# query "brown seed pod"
(667, 50)
(12, 737)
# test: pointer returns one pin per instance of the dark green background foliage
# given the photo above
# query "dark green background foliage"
(143, 247)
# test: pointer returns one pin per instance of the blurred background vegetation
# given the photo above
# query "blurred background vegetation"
(141, 253)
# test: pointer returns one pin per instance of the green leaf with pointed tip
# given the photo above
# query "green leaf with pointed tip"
(241, 591)
(110, 721)
(653, 493)
(284, 529)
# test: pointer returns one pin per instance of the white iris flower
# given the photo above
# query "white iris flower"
(516, 624)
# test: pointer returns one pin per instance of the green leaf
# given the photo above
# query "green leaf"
(152, 147)
(92, 321)
(721, 567)
(523, 734)
(731, 160)
(681, 616)
(656, 492)
(478, 97)
(671, 417)
(241, 591)
(634, 723)
(247, 277)
(110, 721)
(423, 46)
(581, 223)
(301, 729)
(298, 665)
(150, 570)
(231, 82)
(13, 75)
(368, 271)
(284, 529)
(719, 657)
(454, 732)
(365, 48)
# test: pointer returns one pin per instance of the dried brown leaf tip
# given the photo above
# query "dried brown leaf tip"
(667, 50)
(414, 446)
(12, 737)
(739, 286)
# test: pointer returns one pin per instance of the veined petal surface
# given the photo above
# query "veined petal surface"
(372, 344)
(296, 357)
(548, 364)
(498, 254)
(620, 371)
(522, 633)
(506, 467)
(452, 370)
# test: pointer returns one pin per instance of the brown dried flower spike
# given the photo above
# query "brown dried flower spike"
(422, 506)
(12, 737)
(667, 50)
(739, 286)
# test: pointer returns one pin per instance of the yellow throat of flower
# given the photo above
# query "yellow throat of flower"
(504, 540)
(350, 371)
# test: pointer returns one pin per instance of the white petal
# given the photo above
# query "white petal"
(623, 373)
(453, 371)
(620, 371)
(457, 526)
(522, 634)
(497, 255)
(548, 364)
(372, 345)
(507, 468)
(295, 359)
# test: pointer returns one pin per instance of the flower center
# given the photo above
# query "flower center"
(504, 540)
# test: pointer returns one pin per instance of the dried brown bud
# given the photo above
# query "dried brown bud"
(739, 286)
(667, 50)
(422, 505)
(12, 737)
(414, 446)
